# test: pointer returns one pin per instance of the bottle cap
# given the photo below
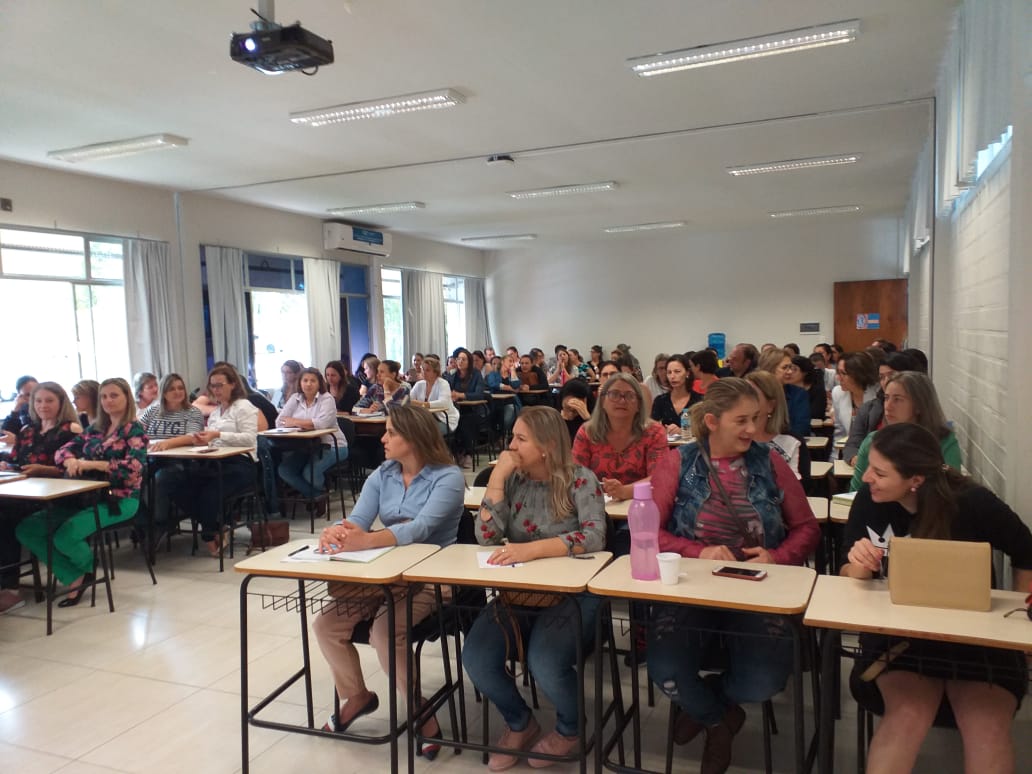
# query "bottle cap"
(643, 490)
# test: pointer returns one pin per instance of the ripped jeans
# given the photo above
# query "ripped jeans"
(683, 640)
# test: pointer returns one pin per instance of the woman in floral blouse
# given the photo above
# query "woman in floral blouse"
(539, 503)
(51, 425)
(113, 447)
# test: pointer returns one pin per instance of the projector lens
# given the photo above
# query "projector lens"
(250, 45)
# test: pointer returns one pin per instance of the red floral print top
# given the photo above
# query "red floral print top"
(125, 451)
(35, 447)
(526, 513)
(628, 465)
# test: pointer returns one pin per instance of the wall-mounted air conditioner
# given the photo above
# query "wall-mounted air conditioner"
(344, 236)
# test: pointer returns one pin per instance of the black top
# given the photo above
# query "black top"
(264, 405)
(349, 398)
(982, 517)
(818, 400)
(17, 419)
(663, 408)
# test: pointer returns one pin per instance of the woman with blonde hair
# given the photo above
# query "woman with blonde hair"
(772, 428)
(539, 503)
(86, 399)
(417, 493)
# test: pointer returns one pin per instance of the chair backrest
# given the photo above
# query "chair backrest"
(466, 533)
(482, 477)
(348, 428)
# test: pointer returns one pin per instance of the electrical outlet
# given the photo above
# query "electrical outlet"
(6, 205)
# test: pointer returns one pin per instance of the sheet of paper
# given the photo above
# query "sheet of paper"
(279, 430)
(312, 554)
(483, 556)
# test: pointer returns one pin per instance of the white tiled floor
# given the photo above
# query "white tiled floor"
(154, 687)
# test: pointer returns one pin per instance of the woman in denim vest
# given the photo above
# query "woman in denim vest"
(729, 498)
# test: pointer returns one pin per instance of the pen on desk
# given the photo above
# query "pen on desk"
(298, 551)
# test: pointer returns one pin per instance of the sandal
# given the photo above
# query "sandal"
(429, 750)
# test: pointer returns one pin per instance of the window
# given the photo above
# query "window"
(454, 311)
(68, 289)
(277, 316)
(354, 312)
(393, 319)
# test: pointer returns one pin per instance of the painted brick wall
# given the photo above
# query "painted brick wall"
(972, 379)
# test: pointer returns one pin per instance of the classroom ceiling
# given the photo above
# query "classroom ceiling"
(544, 80)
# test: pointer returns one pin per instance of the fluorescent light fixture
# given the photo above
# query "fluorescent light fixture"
(564, 190)
(377, 209)
(843, 209)
(379, 108)
(644, 227)
(746, 48)
(107, 150)
(502, 238)
(790, 165)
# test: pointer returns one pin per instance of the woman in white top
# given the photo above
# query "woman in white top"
(858, 383)
(433, 392)
(657, 383)
(311, 408)
(233, 422)
(772, 428)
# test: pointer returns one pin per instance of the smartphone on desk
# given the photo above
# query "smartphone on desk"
(743, 573)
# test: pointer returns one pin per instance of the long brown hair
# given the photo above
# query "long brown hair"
(598, 426)
(927, 409)
(547, 428)
(417, 426)
(236, 384)
(103, 422)
(770, 387)
(166, 384)
(914, 451)
(65, 409)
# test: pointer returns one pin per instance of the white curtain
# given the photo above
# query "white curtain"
(916, 219)
(226, 303)
(322, 292)
(973, 94)
(478, 330)
(422, 299)
(154, 307)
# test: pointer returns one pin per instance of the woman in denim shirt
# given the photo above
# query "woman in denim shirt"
(729, 498)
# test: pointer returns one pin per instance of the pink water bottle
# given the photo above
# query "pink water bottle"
(643, 520)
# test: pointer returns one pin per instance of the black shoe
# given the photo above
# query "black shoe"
(75, 596)
(334, 724)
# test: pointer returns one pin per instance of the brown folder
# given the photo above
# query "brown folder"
(952, 574)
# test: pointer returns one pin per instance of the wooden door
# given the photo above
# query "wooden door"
(869, 310)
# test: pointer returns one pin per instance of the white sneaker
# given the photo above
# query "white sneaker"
(10, 600)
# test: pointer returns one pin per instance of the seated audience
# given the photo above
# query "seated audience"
(624, 351)
(433, 392)
(858, 383)
(233, 422)
(804, 375)
(596, 360)
(311, 408)
(113, 449)
(342, 386)
(575, 405)
(583, 370)
(779, 363)
(415, 373)
(869, 417)
(910, 397)
(539, 503)
(145, 388)
(51, 425)
(740, 361)
(704, 368)
(657, 383)
(772, 427)
(729, 498)
(86, 399)
(467, 384)
(668, 407)
(366, 372)
(532, 377)
(19, 416)
(417, 494)
(920, 359)
(291, 372)
(564, 370)
(504, 378)
(908, 491)
(607, 369)
(388, 391)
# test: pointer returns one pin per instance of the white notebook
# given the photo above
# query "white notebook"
(312, 554)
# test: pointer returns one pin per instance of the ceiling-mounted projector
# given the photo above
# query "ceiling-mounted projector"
(278, 49)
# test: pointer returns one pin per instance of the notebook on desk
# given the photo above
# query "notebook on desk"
(953, 574)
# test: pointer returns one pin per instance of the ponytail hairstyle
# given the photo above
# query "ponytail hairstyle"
(547, 428)
(723, 395)
(914, 451)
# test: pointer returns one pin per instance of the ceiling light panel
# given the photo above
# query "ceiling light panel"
(107, 150)
(377, 209)
(645, 227)
(379, 108)
(791, 165)
(564, 190)
(502, 238)
(844, 209)
(747, 48)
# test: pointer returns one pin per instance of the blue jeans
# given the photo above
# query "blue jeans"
(681, 639)
(296, 468)
(269, 456)
(550, 642)
(168, 479)
(200, 498)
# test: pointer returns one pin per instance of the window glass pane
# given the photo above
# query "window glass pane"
(455, 325)
(268, 272)
(280, 325)
(103, 338)
(353, 279)
(39, 254)
(394, 330)
(299, 274)
(58, 360)
(391, 280)
(106, 260)
(358, 326)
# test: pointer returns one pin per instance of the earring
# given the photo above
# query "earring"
(913, 489)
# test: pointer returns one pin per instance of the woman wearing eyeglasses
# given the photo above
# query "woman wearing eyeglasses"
(234, 422)
(433, 392)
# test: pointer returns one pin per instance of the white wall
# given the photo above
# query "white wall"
(665, 291)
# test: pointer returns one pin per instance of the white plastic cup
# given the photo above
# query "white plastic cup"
(669, 567)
